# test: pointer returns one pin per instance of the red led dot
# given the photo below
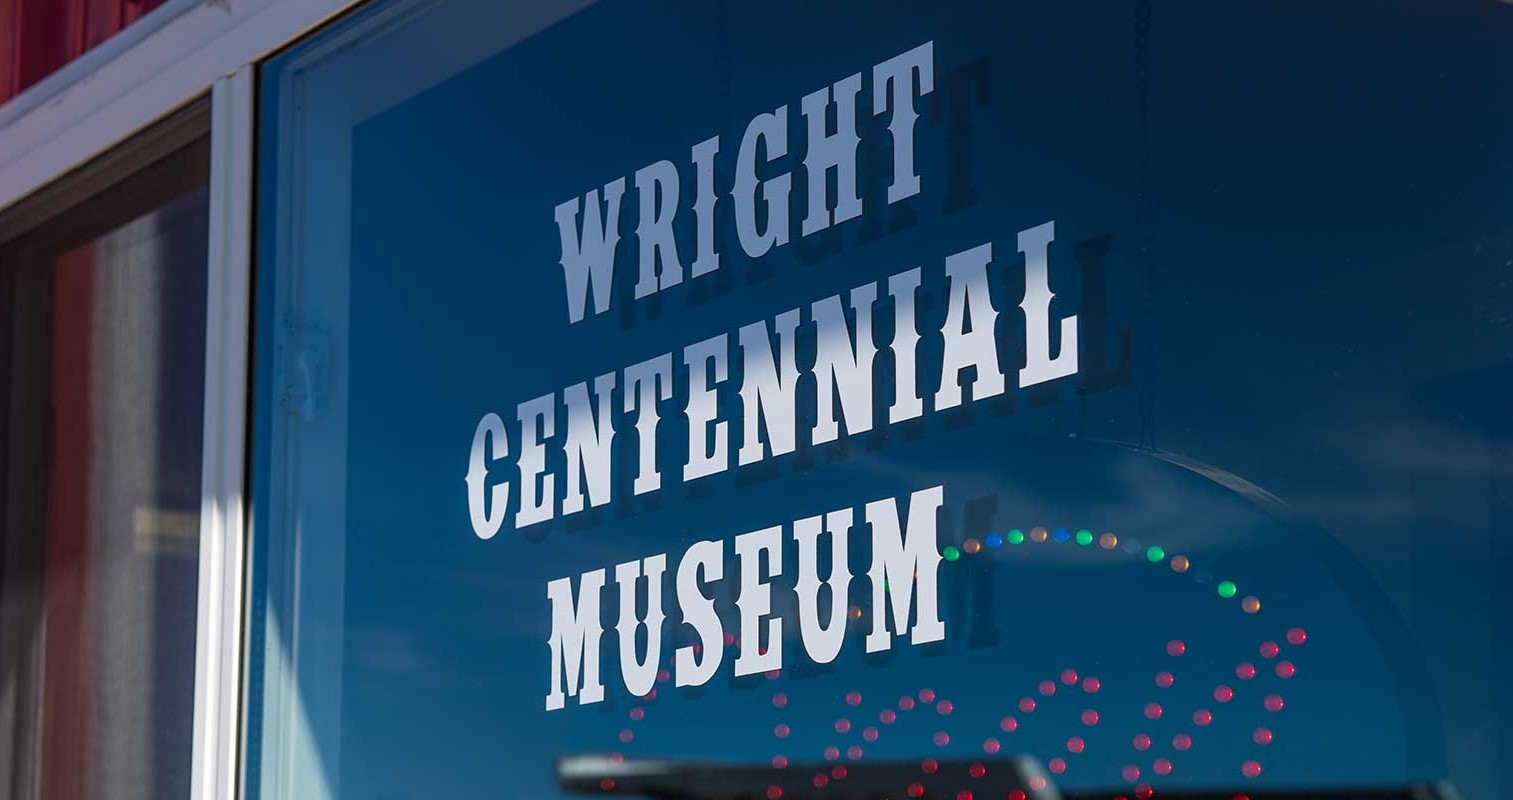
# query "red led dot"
(1057, 765)
(1202, 717)
(1224, 694)
(627, 735)
(1008, 724)
(638, 714)
(608, 784)
(1144, 792)
(780, 730)
(1285, 669)
(977, 770)
(1182, 742)
(916, 790)
(1090, 717)
(1165, 680)
(926, 695)
(854, 752)
(1250, 769)
(1269, 649)
(774, 792)
(1037, 784)
(821, 780)
(729, 638)
(887, 716)
(1245, 671)
(1162, 767)
(905, 703)
(964, 794)
(1296, 636)
(1175, 648)
(1261, 736)
(663, 676)
(1075, 744)
(1016, 794)
(945, 707)
(1131, 773)
(839, 771)
(843, 726)
(1027, 704)
(780, 762)
(991, 746)
(1091, 685)
(1273, 702)
(1153, 711)
(869, 733)
(616, 758)
(853, 698)
(651, 695)
(1069, 677)
(942, 738)
(929, 766)
(1241, 797)
(1047, 688)
(832, 753)
(1142, 742)
(780, 700)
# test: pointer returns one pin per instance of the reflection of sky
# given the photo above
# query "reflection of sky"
(1328, 259)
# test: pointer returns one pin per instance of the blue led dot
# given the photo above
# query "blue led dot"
(1063, 535)
(994, 540)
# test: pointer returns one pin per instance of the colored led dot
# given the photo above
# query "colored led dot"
(1224, 694)
(887, 716)
(994, 541)
(1285, 669)
(843, 726)
(1037, 535)
(1296, 636)
(1131, 773)
(1062, 535)
(1182, 742)
(774, 792)
(869, 733)
(1091, 685)
(1075, 744)
(964, 794)
(1245, 671)
(1155, 554)
(1250, 769)
(1108, 541)
(780, 762)
(915, 790)
(1153, 711)
(1016, 794)
(780, 730)
(663, 676)
(839, 771)
(1162, 767)
(1144, 792)
(832, 753)
(945, 707)
(853, 698)
(1270, 649)
(1251, 604)
(1008, 724)
(977, 770)
(991, 746)
(1037, 783)
(1016, 536)
(1047, 688)
(1069, 677)
(1142, 742)
(951, 553)
(854, 752)
(905, 703)
(1084, 537)
(1165, 680)
(1027, 704)
(1261, 736)
(638, 714)
(627, 735)
(1203, 576)
(780, 700)
(929, 766)
(1057, 765)
(1180, 563)
(926, 695)
(608, 784)
(1203, 717)
(942, 738)
(1227, 589)
(971, 546)
(1090, 718)
(1175, 648)
(821, 780)
(1273, 702)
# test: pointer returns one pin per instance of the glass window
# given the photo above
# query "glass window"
(103, 349)
(884, 400)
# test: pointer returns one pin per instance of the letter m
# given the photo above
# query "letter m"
(902, 561)
(575, 639)
(589, 259)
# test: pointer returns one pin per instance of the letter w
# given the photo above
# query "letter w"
(590, 259)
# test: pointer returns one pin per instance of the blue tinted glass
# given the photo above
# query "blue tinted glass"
(775, 400)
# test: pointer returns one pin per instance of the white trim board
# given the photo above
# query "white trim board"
(149, 77)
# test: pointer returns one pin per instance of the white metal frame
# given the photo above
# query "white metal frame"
(218, 641)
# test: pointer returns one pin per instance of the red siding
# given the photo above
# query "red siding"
(39, 36)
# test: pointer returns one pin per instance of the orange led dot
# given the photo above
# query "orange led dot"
(1037, 534)
(1180, 563)
(971, 546)
(1108, 541)
(1250, 605)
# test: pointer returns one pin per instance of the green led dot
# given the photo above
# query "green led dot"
(1227, 589)
(1084, 537)
(1155, 555)
(951, 554)
(1016, 536)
